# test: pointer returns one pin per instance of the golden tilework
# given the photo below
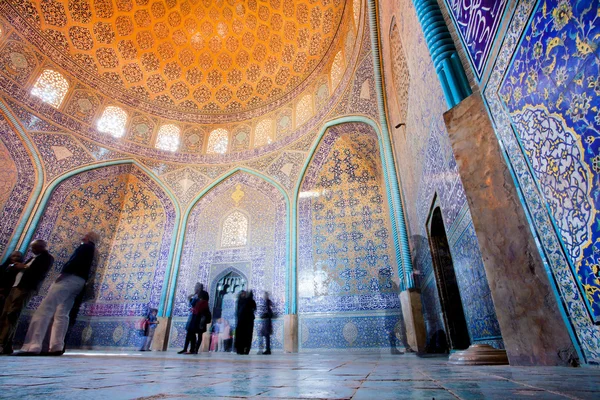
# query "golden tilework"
(215, 56)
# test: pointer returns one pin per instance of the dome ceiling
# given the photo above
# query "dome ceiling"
(195, 57)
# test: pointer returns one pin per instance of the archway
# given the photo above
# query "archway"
(135, 219)
(213, 244)
(346, 258)
(450, 301)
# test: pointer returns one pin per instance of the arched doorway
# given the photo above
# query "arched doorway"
(450, 301)
(226, 293)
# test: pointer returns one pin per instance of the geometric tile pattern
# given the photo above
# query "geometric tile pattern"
(186, 183)
(134, 220)
(345, 254)
(60, 153)
(16, 182)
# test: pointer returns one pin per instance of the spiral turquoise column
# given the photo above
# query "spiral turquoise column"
(443, 53)
(399, 232)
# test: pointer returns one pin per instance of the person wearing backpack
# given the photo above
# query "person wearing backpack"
(150, 324)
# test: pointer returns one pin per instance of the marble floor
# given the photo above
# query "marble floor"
(113, 376)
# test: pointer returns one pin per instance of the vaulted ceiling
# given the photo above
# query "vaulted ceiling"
(194, 56)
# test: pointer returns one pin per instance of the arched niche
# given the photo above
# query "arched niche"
(18, 179)
(262, 260)
(345, 259)
(135, 220)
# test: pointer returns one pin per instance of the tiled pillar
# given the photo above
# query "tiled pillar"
(416, 335)
(290, 328)
(161, 334)
(533, 329)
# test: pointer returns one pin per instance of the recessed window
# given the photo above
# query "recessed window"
(304, 110)
(51, 87)
(234, 232)
(113, 121)
(217, 141)
(337, 70)
(263, 133)
(168, 138)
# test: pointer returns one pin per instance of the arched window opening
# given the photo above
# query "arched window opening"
(337, 70)
(217, 141)
(263, 133)
(168, 138)
(51, 87)
(234, 232)
(304, 110)
(113, 121)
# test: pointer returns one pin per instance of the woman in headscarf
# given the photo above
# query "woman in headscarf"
(245, 327)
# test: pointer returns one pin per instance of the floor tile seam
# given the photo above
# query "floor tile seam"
(530, 386)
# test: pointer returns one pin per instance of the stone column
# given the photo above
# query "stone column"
(290, 329)
(416, 335)
(533, 330)
(161, 334)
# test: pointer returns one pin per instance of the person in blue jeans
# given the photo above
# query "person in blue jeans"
(149, 328)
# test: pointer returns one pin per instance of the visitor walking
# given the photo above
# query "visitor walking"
(149, 327)
(202, 317)
(267, 325)
(190, 326)
(245, 324)
(25, 283)
(8, 275)
(57, 304)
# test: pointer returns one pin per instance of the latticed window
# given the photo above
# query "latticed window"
(304, 110)
(113, 121)
(356, 10)
(263, 133)
(217, 141)
(235, 230)
(168, 138)
(337, 70)
(51, 87)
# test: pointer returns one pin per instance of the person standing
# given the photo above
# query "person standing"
(58, 302)
(149, 328)
(8, 275)
(25, 283)
(267, 325)
(190, 327)
(245, 326)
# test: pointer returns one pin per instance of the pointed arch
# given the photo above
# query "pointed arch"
(184, 224)
(53, 185)
(28, 208)
(387, 165)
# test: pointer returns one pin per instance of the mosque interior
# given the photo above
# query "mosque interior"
(404, 176)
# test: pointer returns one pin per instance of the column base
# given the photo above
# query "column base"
(290, 328)
(160, 341)
(416, 336)
(479, 354)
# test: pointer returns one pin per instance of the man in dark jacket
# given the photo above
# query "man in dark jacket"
(58, 302)
(27, 278)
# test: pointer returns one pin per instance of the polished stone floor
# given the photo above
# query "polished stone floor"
(113, 376)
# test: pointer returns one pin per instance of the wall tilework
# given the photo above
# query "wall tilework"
(60, 153)
(352, 332)
(346, 259)
(135, 221)
(16, 183)
(542, 98)
(477, 24)
(428, 169)
(264, 258)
